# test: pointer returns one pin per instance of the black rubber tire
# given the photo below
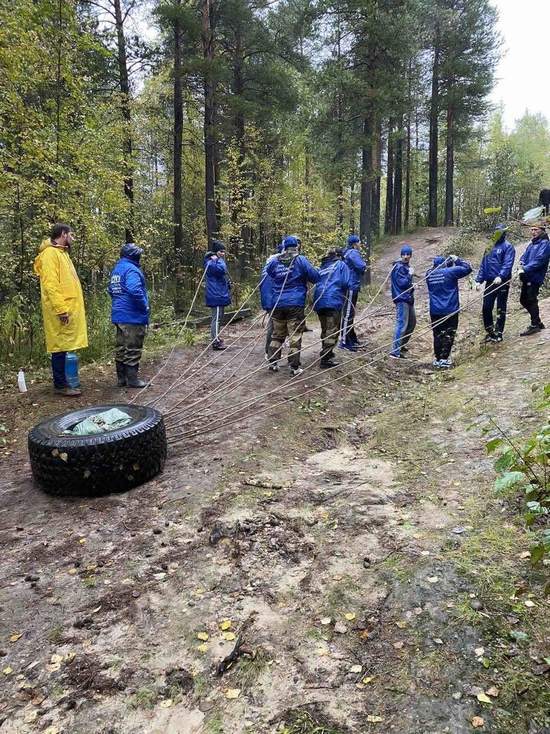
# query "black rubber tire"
(91, 466)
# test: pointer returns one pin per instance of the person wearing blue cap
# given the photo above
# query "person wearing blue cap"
(402, 293)
(129, 313)
(357, 266)
(291, 272)
(442, 281)
(328, 299)
(534, 266)
(218, 290)
(496, 271)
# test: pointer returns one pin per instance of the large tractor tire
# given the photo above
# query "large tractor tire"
(99, 464)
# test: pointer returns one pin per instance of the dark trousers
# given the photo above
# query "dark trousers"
(268, 333)
(216, 323)
(287, 322)
(529, 300)
(129, 343)
(444, 330)
(348, 335)
(58, 369)
(330, 321)
(492, 294)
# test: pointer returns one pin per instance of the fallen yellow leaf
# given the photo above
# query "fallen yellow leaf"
(203, 647)
(349, 616)
(356, 669)
(69, 657)
(7, 670)
(233, 693)
(401, 624)
(229, 635)
(483, 698)
(225, 624)
(56, 658)
(15, 636)
(202, 635)
(477, 722)
(82, 541)
(374, 719)
(51, 730)
(166, 703)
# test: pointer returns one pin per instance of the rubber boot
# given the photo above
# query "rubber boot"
(121, 374)
(132, 379)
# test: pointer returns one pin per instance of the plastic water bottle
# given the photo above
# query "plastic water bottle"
(21, 384)
(71, 370)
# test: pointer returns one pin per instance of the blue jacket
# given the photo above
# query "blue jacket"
(401, 283)
(218, 286)
(128, 291)
(291, 274)
(330, 291)
(498, 262)
(357, 266)
(442, 285)
(535, 260)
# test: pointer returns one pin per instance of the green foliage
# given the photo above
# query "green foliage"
(525, 467)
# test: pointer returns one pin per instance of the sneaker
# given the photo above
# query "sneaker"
(490, 336)
(218, 346)
(532, 329)
(295, 371)
(445, 364)
(498, 337)
(436, 363)
(349, 347)
(396, 356)
(273, 367)
(68, 392)
(404, 349)
(326, 364)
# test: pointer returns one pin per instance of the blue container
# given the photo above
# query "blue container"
(71, 370)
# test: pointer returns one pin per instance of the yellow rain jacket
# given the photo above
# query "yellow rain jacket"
(61, 292)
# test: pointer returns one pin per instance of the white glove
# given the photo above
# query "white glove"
(497, 280)
(454, 258)
(521, 270)
(411, 271)
(478, 286)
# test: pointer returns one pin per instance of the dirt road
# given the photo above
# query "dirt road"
(350, 541)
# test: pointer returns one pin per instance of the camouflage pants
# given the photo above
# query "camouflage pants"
(330, 327)
(129, 343)
(287, 322)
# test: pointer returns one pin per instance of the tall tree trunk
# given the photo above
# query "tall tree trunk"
(209, 118)
(434, 133)
(389, 179)
(408, 152)
(397, 211)
(124, 84)
(179, 254)
(365, 215)
(307, 198)
(449, 170)
(377, 186)
(352, 204)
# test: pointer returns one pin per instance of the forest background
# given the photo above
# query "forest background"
(244, 120)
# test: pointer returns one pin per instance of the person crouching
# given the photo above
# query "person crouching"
(130, 314)
(329, 298)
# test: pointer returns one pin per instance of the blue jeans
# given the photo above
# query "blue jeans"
(405, 324)
(58, 369)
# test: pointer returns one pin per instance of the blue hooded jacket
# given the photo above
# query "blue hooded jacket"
(442, 281)
(218, 287)
(128, 289)
(357, 266)
(291, 273)
(401, 283)
(498, 262)
(535, 259)
(266, 284)
(330, 291)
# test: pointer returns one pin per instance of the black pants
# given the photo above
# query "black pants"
(529, 300)
(348, 335)
(492, 293)
(444, 333)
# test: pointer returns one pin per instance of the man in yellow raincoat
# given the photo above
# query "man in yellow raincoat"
(62, 303)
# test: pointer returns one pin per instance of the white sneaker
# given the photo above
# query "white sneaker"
(445, 364)
(436, 363)
(295, 371)
(274, 367)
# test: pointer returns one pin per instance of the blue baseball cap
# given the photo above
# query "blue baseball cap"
(406, 250)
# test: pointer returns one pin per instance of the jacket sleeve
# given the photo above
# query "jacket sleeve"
(50, 279)
(402, 278)
(481, 277)
(508, 262)
(357, 261)
(134, 286)
(216, 267)
(311, 273)
(345, 277)
(540, 258)
(276, 270)
(460, 269)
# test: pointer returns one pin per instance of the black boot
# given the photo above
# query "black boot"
(132, 379)
(532, 329)
(121, 374)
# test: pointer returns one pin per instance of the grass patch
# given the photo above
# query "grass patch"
(144, 698)
(303, 722)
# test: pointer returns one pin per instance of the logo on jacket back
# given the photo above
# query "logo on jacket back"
(116, 285)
